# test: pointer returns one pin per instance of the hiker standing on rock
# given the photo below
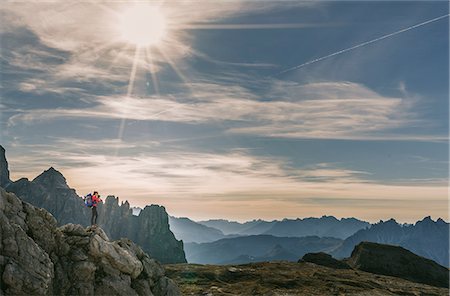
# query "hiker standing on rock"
(95, 200)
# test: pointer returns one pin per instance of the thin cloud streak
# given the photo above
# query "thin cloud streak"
(363, 44)
(195, 26)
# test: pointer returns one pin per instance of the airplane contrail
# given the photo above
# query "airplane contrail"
(362, 44)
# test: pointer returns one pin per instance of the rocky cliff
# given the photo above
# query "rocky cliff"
(38, 258)
(4, 172)
(150, 229)
(50, 191)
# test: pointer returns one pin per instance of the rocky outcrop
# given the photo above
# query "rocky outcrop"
(50, 191)
(399, 262)
(4, 172)
(324, 259)
(150, 229)
(38, 258)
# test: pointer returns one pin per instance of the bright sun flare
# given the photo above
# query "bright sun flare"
(143, 25)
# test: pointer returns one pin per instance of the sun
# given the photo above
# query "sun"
(143, 25)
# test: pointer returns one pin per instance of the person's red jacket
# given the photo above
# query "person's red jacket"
(95, 200)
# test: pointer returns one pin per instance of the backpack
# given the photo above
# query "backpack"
(88, 200)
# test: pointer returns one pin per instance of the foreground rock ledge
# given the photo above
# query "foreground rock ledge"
(38, 258)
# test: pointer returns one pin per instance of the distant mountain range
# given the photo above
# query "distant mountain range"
(257, 248)
(426, 238)
(190, 231)
(212, 230)
(232, 227)
(325, 226)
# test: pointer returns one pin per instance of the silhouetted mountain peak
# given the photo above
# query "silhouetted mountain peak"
(329, 218)
(53, 178)
(426, 220)
(388, 223)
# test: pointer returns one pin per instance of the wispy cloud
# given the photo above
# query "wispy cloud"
(329, 110)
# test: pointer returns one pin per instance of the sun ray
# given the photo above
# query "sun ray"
(120, 55)
(189, 86)
(129, 92)
(177, 71)
(98, 49)
(152, 71)
(182, 77)
(107, 9)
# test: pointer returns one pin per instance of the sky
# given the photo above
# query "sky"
(234, 109)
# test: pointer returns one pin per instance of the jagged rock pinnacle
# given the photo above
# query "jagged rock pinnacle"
(4, 172)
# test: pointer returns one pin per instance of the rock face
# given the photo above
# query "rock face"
(324, 260)
(398, 262)
(38, 258)
(4, 172)
(150, 229)
(426, 238)
(50, 191)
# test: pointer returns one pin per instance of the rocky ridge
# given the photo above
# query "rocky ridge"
(39, 258)
(150, 229)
